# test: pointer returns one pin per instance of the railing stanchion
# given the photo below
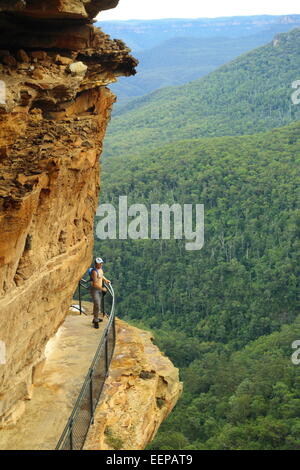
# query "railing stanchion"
(106, 356)
(91, 397)
(79, 294)
(114, 329)
(71, 435)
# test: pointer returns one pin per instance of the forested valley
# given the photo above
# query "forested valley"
(228, 314)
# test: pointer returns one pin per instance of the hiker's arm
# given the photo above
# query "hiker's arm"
(94, 278)
(106, 280)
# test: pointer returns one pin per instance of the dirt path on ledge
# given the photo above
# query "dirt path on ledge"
(69, 355)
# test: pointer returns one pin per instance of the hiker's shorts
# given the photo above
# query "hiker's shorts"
(97, 296)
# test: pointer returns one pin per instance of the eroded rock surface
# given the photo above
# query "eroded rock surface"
(142, 389)
(54, 108)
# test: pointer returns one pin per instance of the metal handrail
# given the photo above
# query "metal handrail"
(66, 440)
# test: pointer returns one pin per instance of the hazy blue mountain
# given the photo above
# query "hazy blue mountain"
(248, 95)
(174, 52)
(181, 60)
(141, 35)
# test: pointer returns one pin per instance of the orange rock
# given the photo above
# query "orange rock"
(63, 60)
(9, 60)
(22, 56)
(131, 413)
(49, 186)
(39, 55)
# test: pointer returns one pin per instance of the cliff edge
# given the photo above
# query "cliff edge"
(141, 390)
(54, 109)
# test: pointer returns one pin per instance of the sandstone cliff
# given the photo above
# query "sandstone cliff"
(54, 108)
(141, 390)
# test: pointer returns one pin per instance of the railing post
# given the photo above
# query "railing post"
(71, 435)
(79, 293)
(114, 330)
(91, 397)
(113, 326)
(106, 355)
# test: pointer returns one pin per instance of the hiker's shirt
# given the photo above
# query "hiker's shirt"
(99, 281)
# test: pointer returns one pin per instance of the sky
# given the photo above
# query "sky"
(155, 9)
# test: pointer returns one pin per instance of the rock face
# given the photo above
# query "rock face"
(141, 390)
(54, 108)
(57, 8)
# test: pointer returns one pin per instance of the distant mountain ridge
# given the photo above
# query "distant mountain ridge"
(248, 95)
(174, 52)
(141, 34)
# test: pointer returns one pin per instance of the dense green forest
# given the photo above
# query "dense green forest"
(243, 286)
(244, 400)
(245, 281)
(249, 95)
(226, 315)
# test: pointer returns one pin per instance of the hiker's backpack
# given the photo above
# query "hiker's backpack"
(90, 273)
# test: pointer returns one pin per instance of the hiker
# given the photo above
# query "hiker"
(98, 290)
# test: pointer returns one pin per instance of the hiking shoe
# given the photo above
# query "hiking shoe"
(96, 323)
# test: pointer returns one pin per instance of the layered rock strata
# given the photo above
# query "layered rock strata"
(142, 389)
(54, 109)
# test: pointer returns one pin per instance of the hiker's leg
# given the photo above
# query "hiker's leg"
(102, 302)
(96, 296)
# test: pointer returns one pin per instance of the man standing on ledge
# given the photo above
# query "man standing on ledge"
(98, 290)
